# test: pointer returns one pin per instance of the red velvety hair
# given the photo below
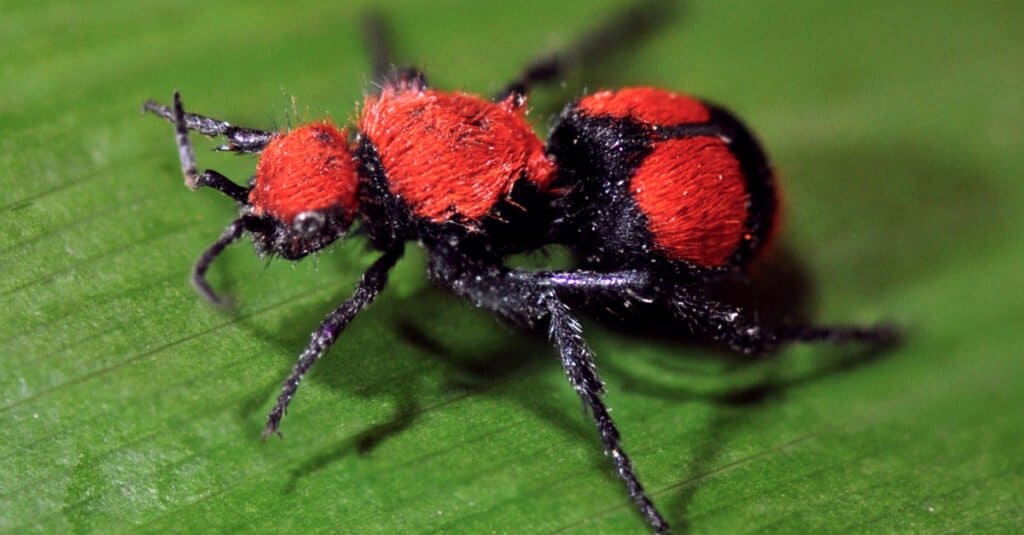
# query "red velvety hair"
(309, 168)
(450, 154)
(646, 104)
(693, 193)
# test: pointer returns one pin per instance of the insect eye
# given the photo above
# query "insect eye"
(309, 223)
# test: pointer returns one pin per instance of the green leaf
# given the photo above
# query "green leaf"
(130, 405)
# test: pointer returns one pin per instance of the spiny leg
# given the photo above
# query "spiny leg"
(719, 321)
(239, 139)
(520, 300)
(578, 362)
(370, 285)
(186, 155)
(728, 324)
(616, 31)
(230, 235)
(702, 315)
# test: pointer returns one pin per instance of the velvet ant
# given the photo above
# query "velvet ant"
(657, 193)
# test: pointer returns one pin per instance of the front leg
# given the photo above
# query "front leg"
(522, 300)
(370, 285)
(240, 140)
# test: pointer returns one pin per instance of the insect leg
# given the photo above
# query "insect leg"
(701, 314)
(370, 285)
(239, 139)
(523, 301)
(578, 362)
(618, 30)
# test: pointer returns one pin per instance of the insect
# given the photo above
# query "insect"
(657, 194)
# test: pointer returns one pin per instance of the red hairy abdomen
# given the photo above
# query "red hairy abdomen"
(692, 190)
(693, 193)
(452, 155)
(309, 168)
(648, 105)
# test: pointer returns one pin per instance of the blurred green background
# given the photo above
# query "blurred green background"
(129, 405)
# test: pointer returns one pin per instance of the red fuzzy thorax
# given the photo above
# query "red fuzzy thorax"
(452, 155)
(308, 168)
(648, 105)
(694, 196)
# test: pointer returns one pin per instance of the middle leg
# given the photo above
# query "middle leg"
(369, 286)
(525, 302)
